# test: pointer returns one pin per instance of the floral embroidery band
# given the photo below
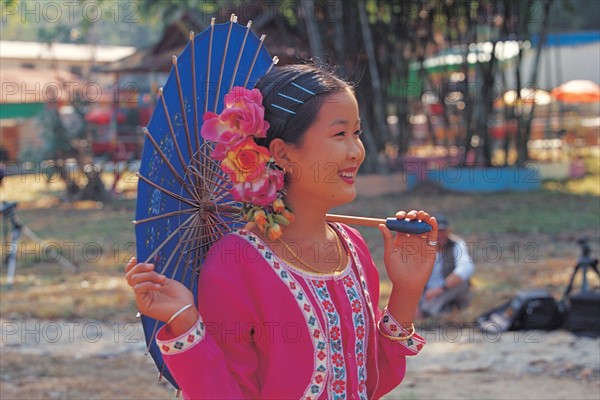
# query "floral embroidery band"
(183, 342)
(393, 328)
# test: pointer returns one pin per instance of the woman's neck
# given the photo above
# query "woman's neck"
(309, 224)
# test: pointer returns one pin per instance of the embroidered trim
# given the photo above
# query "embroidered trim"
(393, 328)
(321, 352)
(183, 342)
(337, 385)
(364, 285)
(358, 319)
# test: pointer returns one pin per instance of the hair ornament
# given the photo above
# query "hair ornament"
(258, 182)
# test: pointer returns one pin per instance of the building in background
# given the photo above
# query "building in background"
(34, 74)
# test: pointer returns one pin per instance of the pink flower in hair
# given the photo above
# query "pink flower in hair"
(261, 192)
(257, 182)
(243, 116)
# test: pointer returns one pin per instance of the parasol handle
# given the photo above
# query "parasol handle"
(394, 224)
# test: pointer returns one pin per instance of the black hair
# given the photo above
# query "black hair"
(292, 97)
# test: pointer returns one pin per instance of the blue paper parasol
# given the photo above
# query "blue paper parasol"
(183, 201)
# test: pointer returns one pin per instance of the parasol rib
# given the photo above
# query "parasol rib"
(194, 92)
(220, 81)
(166, 215)
(202, 176)
(171, 130)
(169, 165)
(164, 242)
(273, 62)
(208, 61)
(262, 40)
(239, 57)
(165, 191)
(186, 127)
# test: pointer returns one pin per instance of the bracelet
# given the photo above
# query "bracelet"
(403, 338)
(179, 312)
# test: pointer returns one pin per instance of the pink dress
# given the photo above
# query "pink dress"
(271, 331)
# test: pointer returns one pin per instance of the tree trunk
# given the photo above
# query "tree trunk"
(524, 150)
(378, 106)
(312, 30)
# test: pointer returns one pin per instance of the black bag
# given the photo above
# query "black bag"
(583, 315)
(533, 309)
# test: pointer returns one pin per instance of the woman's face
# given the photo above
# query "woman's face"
(323, 166)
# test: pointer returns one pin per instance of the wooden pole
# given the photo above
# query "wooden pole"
(350, 220)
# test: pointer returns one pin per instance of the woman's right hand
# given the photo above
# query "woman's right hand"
(156, 295)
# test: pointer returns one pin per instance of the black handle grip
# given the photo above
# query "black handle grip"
(404, 226)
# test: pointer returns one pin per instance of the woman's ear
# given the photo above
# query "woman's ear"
(280, 151)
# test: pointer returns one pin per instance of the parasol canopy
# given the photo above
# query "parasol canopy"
(183, 197)
(577, 91)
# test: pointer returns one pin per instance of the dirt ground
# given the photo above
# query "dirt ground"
(45, 355)
(91, 359)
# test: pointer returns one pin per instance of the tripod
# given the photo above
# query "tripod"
(8, 211)
(584, 263)
(583, 308)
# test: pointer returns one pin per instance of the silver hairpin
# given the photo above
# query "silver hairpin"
(283, 108)
(300, 87)
(290, 98)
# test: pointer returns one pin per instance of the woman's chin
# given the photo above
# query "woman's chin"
(347, 197)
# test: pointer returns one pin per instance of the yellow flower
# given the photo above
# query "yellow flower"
(246, 162)
(288, 215)
(278, 206)
(274, 231)
(260, 218)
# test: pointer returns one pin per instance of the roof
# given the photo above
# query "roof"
(24, 85)
(62, 51)
(283, 43)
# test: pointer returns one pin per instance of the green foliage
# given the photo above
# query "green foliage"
(108, 22)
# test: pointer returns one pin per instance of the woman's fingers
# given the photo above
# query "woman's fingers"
(147, 277)
(420, 215)
(132, 262)
(141, 272)
(146, 287)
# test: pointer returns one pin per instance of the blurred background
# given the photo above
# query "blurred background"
(487, 111)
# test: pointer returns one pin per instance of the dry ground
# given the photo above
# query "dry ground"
(521, 241)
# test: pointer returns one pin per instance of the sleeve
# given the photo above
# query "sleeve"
(464, 265)
(391, 357)
(216, 358)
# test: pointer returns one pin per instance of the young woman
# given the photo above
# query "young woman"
(288, 306)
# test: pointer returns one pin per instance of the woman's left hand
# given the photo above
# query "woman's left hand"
(409, 258)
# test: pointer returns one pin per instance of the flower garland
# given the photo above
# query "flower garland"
(258, 182)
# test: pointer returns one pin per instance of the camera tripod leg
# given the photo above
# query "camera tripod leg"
(63, 261)
(12, 256)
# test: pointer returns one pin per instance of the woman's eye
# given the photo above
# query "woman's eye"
(340, 133)
(358, 132)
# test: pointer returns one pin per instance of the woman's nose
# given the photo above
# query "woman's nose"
(355, 148)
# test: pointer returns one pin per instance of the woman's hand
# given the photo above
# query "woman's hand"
(156, 295)
(409, 258)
